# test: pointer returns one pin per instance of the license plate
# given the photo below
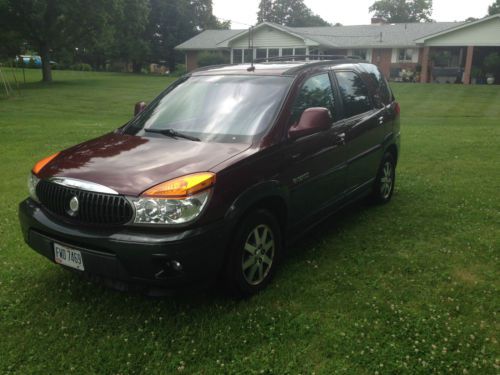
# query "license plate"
(68, 257)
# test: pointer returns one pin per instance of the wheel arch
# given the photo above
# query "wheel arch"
(271, 196)
(393, 150)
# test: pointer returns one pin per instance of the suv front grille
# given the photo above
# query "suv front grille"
(93, 208)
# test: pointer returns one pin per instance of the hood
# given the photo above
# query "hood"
(130, 164)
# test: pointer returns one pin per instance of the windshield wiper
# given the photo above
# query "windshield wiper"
(173, 133)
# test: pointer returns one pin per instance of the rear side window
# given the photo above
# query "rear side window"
(354, 93)
(315, 92)
(383, 94)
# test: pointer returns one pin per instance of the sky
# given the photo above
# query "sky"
(243, 13)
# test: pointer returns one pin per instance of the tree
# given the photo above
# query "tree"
(401, 11)
(50, 24)
(173, 21)
(265, 12)
(292, 13)
(494, 8)
(204, 17)
(131, 43)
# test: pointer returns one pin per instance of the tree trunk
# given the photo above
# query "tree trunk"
(136, 66)
(46, 68)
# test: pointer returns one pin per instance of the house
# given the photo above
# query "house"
(426, 52)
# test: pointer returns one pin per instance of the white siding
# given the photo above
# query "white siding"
(394, 57)
(416, 52)
(268, 37)
(483, 34)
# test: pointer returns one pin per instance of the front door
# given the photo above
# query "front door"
(316, 163)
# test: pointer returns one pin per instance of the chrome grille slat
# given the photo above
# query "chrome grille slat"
(94, 208)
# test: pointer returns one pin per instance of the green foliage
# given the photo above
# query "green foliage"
(292, 13)
(494, 8)
(207, 58)
(102, 33)
(180, 70)
(49, 24)
(130, 41)
(401, 11)
(203, 17)
(491, 64)
(406, 288)
(81, 67)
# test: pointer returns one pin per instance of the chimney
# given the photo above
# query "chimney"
(378, 20)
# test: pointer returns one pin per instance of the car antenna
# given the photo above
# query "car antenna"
(251, 68)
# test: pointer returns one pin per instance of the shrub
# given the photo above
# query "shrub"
(492, 63)
(212, 58)
(180, 70)
(81, 67)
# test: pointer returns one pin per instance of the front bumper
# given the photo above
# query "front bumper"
(138, 255)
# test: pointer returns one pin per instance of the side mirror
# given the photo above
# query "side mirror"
(139, 107)
(313, 120)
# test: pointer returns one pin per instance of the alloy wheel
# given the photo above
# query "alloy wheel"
(258, 254)
(386, 181)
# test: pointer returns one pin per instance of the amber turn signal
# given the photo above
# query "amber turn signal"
(182, 186)
(42, 163)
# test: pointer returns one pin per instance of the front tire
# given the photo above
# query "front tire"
(383, 187)
(254, 253)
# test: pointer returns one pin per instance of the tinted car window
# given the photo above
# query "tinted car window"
(315, 92)
(383, 94)
(354, 93)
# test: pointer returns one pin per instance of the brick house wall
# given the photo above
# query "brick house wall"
(382, 58)
(191, 60)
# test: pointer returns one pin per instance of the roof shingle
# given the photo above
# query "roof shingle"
(385, 35)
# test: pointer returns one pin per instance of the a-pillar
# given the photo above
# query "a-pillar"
(468, 64)
(424, 74)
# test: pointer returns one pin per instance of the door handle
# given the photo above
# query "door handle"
(341, 138)
(381, 120)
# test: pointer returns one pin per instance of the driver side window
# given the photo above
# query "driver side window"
(315, 92)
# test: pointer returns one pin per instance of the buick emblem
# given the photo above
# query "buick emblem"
(73, 205)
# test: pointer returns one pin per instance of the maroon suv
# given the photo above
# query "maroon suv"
(217, 174)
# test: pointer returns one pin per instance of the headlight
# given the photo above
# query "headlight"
(169, 211)
(32, 183)
(177, 201)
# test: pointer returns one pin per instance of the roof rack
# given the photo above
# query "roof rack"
(309, 57)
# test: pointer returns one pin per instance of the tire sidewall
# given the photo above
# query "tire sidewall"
(377, 194)
(234, 273)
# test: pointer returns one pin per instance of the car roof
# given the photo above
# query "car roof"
(275, 68)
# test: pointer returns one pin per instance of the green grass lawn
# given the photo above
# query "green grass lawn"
(411, 287)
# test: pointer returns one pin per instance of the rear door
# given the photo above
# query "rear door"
(364, 130)
(316, 163)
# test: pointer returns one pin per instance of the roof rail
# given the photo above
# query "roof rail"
(310, 57)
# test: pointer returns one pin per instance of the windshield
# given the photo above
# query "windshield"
(215, 108)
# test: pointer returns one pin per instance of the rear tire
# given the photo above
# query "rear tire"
(385, 180)
(254, 253)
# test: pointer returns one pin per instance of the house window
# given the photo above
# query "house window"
(361, 53)
(300, 51)
(237, 56)
(405, 54)
(261, 53)
(273, 52)
(248, 55)
(287, 52)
